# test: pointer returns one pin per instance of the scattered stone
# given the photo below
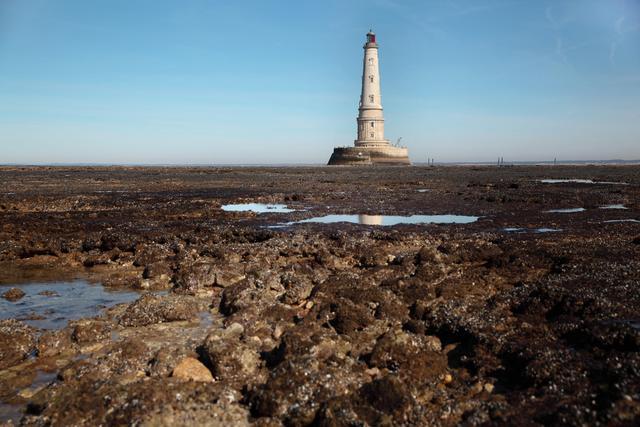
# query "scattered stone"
(55, 342)
(49, 293)
(192, 276)
(17, 342)
(13, 294)
(88, 331)
(232, 358)
(191, 369)
(150, 309)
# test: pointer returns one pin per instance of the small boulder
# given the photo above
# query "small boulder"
(150, 309)
(229, 275)
(191, 369)
(49, 293)
(54, 342)
(232, 358)
(17, 342)
(13, 294)
(88, 331)
(193, 276)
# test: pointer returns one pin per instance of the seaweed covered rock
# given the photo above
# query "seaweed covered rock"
(149, 309)
(17, 342)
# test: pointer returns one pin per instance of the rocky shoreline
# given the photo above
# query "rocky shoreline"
(240, 323)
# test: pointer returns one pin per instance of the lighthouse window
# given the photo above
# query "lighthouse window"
(371, 61)
(371, 79)
(371, 134)
(370, 98)
(371, 124)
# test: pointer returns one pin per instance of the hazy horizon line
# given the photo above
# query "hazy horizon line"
(303, 164)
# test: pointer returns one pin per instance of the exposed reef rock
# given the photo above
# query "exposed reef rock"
(240, 323)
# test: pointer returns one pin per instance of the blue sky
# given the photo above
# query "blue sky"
(132, 81)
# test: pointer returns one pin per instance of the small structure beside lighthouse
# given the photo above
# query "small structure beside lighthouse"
(370, 147)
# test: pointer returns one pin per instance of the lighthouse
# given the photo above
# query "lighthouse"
(370, 146)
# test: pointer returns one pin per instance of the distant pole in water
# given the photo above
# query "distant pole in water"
(555, 159)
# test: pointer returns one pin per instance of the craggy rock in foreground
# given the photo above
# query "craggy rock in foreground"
(339, 325)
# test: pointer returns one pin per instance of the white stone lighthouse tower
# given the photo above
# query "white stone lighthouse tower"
(370, 119)
(370, 145)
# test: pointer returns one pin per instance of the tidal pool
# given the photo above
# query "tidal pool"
(580, 181)
(618, 206)
(51, 305)
(566, 210)
(386, 220)
(13, 412)
(257, 208)
(10, 412)
(531, 230)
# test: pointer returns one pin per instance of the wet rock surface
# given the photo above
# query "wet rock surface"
(18, 342)
(150, 309)
(13, 294)
(327, 325)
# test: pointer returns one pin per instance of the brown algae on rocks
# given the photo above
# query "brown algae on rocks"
(225, 322)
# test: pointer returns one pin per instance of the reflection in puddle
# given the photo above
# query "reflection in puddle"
(75, 300)
(567, 210)
(13, 412)
(633, 323)
(41, 380)
(386, 220)
(423, 190)
(580, 181)
(621, 220)
(619, 206)
(531, 230)
(256, 207)
(10, 412)
(206, 319)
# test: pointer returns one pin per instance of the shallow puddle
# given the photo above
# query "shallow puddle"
(206, 319)
(51, 305)
(42, 379)
(618, 206)
(10, 412)
(531, 230)
(13, 412)
(257, 208)
(567, 210)
(621, 220)
(580, 181)
(633, 323)
(386, 220)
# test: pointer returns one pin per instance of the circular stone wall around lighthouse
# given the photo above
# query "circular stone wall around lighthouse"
(370, 147)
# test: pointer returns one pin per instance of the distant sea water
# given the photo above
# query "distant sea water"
(280, 165)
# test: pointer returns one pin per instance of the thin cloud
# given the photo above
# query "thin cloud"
(556, 24)
(561, 50)
(468, 10)
(613, 48)
(409, 16)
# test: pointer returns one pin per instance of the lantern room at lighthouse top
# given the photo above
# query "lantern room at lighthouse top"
(371, 39)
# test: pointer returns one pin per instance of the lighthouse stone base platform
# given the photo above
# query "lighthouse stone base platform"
(383, 155)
